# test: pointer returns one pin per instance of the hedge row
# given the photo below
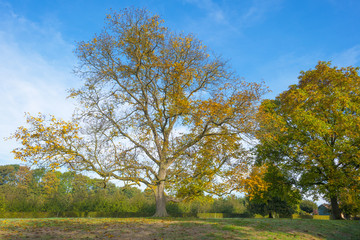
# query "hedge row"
(70, 214)
(137, 214)
(103, 214)
(319, 217)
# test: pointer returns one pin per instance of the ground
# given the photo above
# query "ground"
(176, 228)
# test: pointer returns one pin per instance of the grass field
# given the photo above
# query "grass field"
(176, 228)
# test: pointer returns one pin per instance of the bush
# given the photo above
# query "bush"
(70, 214)
(210, 215)
(27, 214)
(306, 217)
(321, 217)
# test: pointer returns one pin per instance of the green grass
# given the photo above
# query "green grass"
(176, 228)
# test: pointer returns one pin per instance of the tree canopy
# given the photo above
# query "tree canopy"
(312, 130)
(156, 107)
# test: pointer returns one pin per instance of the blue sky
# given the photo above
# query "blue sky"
(264, 40)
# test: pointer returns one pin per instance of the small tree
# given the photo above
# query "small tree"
(156, 108)
(308, 206)
(277, 194)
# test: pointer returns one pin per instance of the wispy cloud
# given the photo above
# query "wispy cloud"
(258, 11)
(236, 13)
(349, 57)
(33, 78)
(213, 10)
(220, 20)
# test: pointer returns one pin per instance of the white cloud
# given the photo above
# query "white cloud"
(35, 71)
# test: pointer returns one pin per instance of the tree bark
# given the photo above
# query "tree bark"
(335, 209)
(160, 199)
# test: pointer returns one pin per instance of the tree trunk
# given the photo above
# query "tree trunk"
(160, 199)
(335, 209)
(270, 215)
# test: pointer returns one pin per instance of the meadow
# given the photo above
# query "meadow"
(176, 228)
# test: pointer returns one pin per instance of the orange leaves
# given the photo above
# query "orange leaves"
(211, 111)
(255, 184)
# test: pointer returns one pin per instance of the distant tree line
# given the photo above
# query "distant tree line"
(25, 189)
(39, 190)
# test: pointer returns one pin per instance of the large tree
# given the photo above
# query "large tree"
(156, 108)
(312, 130)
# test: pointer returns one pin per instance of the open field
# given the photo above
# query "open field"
(176, 228)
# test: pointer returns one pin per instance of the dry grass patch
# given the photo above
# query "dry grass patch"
(176, 228)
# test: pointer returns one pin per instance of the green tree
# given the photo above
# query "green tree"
(312, 130)
(156, 108)
(308, 206)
